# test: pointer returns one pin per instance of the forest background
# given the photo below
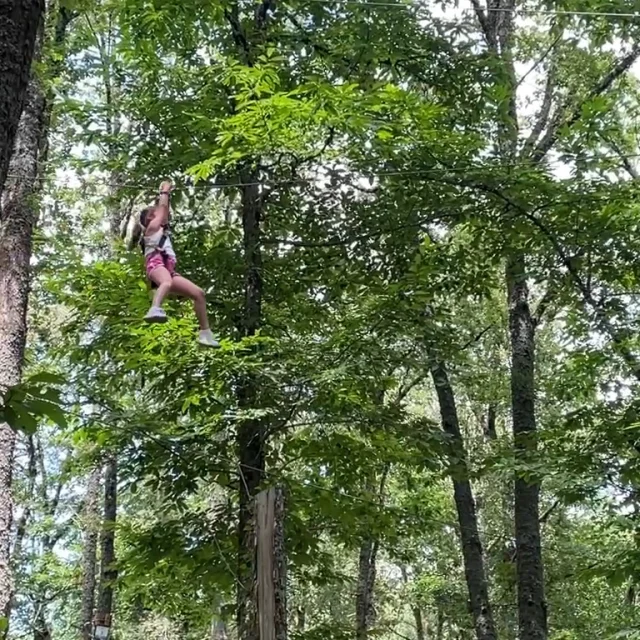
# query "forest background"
(417, 225)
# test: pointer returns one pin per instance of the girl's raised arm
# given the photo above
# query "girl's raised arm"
(162, 209)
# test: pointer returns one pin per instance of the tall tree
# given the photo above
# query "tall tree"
(365, 607)
(23, 136)
(91, 519)
(498, 23)
(472, 553)
(108, 568)
(252, 432)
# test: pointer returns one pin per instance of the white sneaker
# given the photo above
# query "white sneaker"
(206, 339)
(156, 314)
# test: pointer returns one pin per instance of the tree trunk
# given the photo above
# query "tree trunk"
(440, 625)
(41, 628)
(108, 570)
(490, 423)
(532, 609)
(16, 227)
(21, 525)
(280, 564)
(365, 610)
(24, 127)
(7, 443)
(465, 506)
(417, 616)
(218, 630)
(91, 518)
(417, 612)
(23, 522)
(532, 620)
(19, 22)
(271, 564)
(252, 432)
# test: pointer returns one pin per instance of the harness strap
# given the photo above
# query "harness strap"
(161, 242)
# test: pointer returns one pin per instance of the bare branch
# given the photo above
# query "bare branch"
(544, 56)
(43, 471)
(262, 13)
(542, 118)
(503, 18)
(486, 27)
(626, 163)
(543, 305)
(364, 236)
(566, 116)
(21, 527)
(545, 516)
(618, 336)
(403, 392)
(237, 32)
(477, 337)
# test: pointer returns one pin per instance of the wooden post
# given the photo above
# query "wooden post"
(271, 564)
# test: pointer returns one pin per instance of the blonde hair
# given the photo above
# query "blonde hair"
(136, 227)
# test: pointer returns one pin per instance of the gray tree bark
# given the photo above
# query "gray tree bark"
(367, 567)
(498, 26)
(417, 616)
(252, 432)
(272, 564)
(108, 569)
(490, 423)
(415, 609)
(280, 565)
(532, 609)
(91, 519)
(365, 609)
(16, 226)
(19, 22)
(472, 551)
(24, 127)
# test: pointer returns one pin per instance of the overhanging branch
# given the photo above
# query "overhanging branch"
(567, 116)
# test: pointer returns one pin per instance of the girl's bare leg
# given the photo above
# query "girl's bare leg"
(183, 287)
(162, 278)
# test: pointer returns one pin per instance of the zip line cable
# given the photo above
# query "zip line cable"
(401, 5)
(443, 171)
(513, 10)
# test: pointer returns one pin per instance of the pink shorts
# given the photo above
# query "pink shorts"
(160, 259)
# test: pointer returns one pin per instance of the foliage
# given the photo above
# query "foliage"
(371, 134)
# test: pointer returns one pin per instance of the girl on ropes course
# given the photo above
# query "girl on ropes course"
(160, 263)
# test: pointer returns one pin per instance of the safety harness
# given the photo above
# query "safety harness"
(163, 239)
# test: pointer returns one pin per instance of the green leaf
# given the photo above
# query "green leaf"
(44, 378)
(20, 420)
(48, 409)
